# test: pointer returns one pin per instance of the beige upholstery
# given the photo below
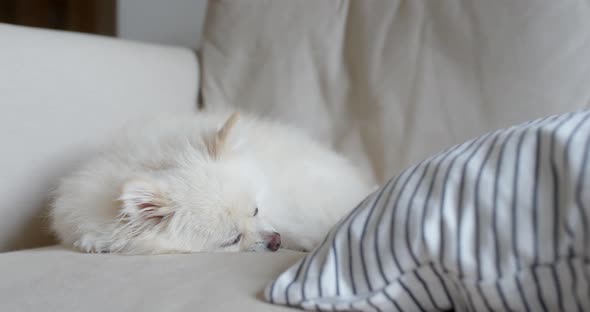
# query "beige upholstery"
(392, 81)
(62, 94)
(55, 279)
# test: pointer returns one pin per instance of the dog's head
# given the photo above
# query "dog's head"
(202, 204)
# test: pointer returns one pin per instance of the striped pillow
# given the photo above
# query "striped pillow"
(498, 223)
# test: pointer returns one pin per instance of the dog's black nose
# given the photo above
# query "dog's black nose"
(274, 242)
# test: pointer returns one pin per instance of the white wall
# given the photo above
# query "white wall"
(175, 22)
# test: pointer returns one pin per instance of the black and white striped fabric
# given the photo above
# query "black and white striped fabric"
(500, 223)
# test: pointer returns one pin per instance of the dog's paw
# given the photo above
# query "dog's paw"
(88, 244)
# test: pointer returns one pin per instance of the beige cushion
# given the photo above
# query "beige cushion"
(54, 279)
(62, 94)
(390, 82)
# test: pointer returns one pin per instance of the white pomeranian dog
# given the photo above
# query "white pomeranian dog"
(212, 182)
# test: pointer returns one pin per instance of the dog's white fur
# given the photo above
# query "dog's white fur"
(193, 184)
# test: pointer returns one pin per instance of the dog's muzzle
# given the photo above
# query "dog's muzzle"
(273, 241)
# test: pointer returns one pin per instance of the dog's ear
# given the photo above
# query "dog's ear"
(143, 199)
(216, 144)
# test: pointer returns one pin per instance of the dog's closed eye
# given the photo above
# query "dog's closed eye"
(255, 211)
(235, 241)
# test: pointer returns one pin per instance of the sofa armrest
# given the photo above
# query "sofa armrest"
(61, 94)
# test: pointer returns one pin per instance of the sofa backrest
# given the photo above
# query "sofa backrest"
(63, 93)
(391, 82)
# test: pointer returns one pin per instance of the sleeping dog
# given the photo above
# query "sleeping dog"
(212, 182)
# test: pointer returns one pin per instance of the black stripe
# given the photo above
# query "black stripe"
(535, 199)
(581, 207)
(521, 293)
(469, 298)
(535, 215)
(515, 198)
(461, 290)
(409, 214)
(580, 204)
(334, 251)
(444, 286)
(376, 234)
(310, 260)
(350, 253)
(556, 189)
(293, 281)
(460, 205)
(557, 284)
(429, 194)
(392, 183)
(566, 161)
(373, 305)
(333, 306)
(445, 183)
(401, 283)
(336, 278)
(514, 234)
(585, 275)
(578, 197)
(539, 291)
(495, 202)
(496, 239)
(393, 218)
(476, 207)
(427, 289)
(568, 142)
(392, 300)
(502, 296)
(556, 214)
(423, 227)
(271, 298)
(483, 297)
(515, 191)
(574, 279)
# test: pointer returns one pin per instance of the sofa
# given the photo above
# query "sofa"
(385, 82)
(63, 94)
